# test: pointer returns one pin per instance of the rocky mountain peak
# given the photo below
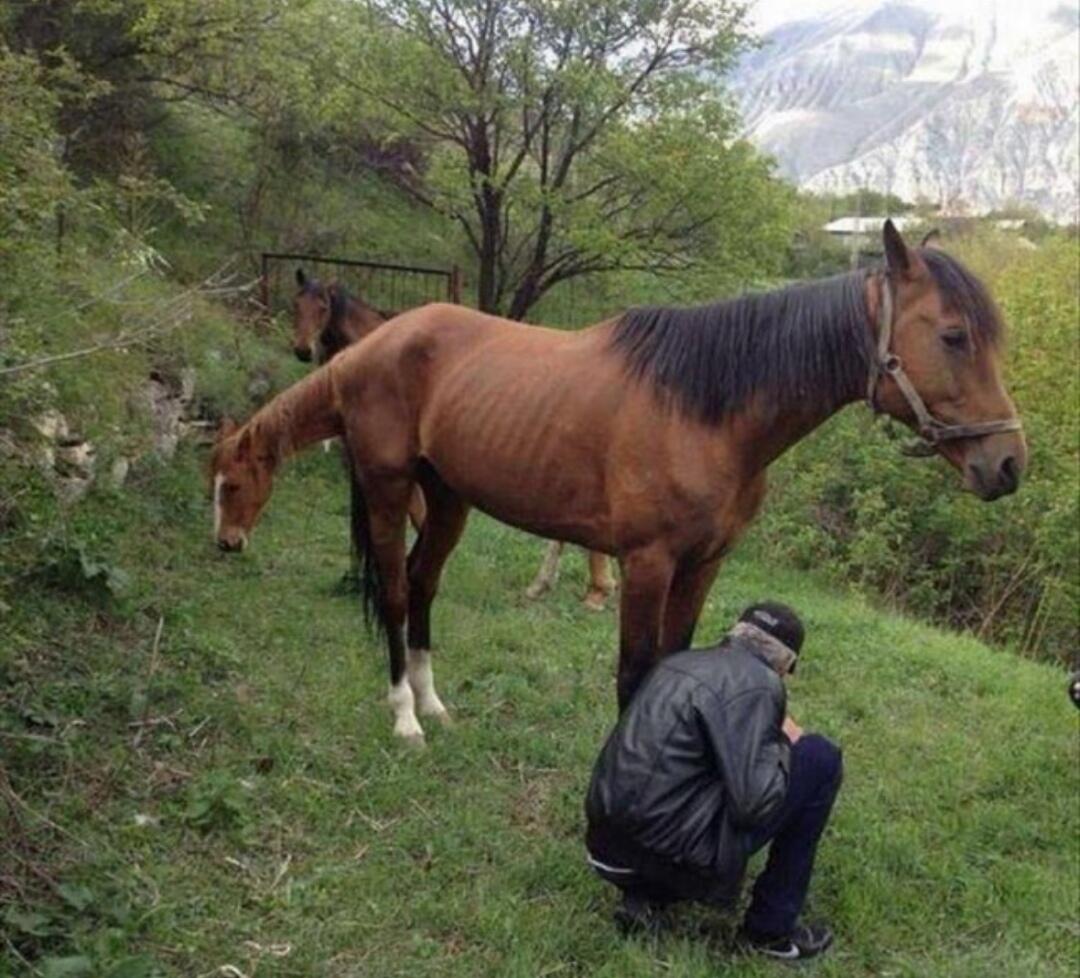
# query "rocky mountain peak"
(970, 105)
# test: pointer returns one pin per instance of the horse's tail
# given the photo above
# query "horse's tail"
(372, 587)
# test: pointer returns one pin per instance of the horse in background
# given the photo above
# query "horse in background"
(646, 437)
(326, 319)
(601, 582)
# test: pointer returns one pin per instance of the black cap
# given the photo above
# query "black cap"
(778, 620)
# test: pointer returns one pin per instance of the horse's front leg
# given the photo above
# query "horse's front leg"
(385, 501)
(646, 579)
(689, 589)
(443, 524)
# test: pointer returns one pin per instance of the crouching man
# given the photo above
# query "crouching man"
(704, 768)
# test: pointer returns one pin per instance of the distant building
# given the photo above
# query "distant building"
(845, 227)
(863, 235)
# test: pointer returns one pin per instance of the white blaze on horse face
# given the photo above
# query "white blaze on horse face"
(422, 680)
(219, 481)
(402, 702)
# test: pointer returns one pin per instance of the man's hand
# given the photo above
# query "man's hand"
(792, 730)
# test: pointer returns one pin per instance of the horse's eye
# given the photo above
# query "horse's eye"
(955, 339)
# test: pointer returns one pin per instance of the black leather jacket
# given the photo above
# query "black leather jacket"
(696, 762)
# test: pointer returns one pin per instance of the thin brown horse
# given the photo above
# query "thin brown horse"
(326, 319)
(646, 437)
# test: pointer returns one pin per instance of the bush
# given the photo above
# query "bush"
(847, 500)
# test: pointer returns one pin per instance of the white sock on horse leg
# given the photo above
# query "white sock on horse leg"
(422, 680)
(401, 700)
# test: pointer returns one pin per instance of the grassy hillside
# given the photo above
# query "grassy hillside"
(200, 772)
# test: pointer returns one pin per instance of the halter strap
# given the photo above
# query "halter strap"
(931, 430)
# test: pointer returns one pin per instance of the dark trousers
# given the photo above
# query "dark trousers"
(780, 891)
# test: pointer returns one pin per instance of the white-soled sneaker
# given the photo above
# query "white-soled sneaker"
(805, 941)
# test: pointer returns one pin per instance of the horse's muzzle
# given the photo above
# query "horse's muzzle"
(303, 353)
(231, 544)
(989, 483)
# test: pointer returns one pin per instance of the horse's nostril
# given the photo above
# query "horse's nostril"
(1010, 473)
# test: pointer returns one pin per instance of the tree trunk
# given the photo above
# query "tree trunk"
(489, 206)
(525, 296)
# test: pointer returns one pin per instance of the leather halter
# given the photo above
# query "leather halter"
(930, 429)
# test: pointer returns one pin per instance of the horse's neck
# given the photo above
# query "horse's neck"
(300, 416)
(772, 432)
(768, 433)
(352, 324)
(359, 319)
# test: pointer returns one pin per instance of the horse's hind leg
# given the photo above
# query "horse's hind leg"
(443, 526)
(601, 581)
(548, 573)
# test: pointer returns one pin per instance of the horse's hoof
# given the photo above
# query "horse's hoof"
(595, 601)
(444, 719)
(534, 591)
(414, 741)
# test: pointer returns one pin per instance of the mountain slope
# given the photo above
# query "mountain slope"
(970, 106)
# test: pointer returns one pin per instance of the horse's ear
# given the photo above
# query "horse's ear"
(901, 260)
(226, 428)
(301, 278)
(243, 446)
(931, 239)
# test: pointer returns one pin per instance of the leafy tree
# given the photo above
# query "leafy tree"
(33, 179)
(564, 137)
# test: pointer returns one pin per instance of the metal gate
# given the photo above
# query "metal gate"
(388, 287)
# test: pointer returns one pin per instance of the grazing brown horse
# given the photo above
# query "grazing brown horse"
(646, 437)
(326, 319)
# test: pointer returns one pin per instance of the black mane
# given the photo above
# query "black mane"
(806, 341)
(332, 339)
(809, 343)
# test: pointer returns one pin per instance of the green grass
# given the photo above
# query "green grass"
(288, 834)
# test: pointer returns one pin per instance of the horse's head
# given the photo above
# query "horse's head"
(940, 365)
(241, 476)
(311, 314)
